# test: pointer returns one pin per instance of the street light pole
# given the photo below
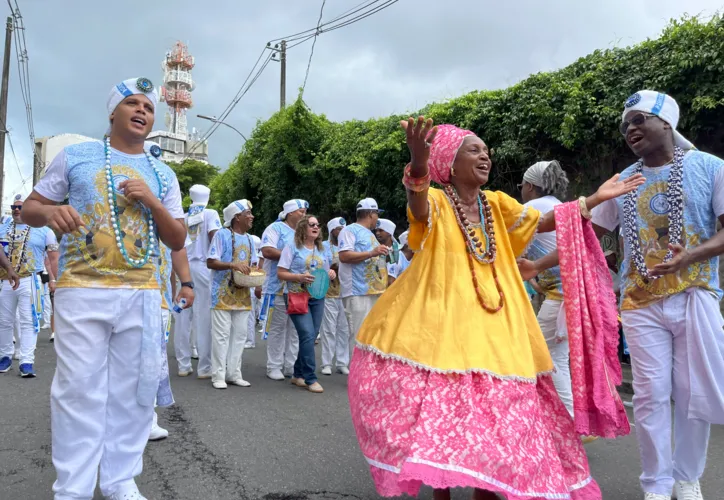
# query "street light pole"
(216, 120)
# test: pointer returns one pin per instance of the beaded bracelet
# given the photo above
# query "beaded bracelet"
(585, 212)
(415, 184)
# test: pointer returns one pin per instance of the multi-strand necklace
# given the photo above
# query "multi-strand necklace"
(23, 250)
(473, 244)
(675, 199)
(115, 217)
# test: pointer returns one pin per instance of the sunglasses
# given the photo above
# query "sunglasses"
(315, 225)
(637, 120)
(16, 207)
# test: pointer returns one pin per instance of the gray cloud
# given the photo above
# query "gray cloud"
(398, 60)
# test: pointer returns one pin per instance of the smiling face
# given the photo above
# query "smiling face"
(245, 220)
(646, 133)
(313, 229)
(472, 164)
(293, 218)
(133, 117)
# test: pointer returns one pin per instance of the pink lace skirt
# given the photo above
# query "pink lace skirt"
(418, 427)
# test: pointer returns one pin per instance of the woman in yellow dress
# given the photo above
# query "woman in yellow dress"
(450, 381)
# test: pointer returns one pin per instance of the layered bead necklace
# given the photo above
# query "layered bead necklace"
(473, 244)
(23, 249)
(115, 218)
(675, 198)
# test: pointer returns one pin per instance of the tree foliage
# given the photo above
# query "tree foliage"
(190, 172)
(571, 115)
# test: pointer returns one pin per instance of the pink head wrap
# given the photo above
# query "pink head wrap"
(443, 151)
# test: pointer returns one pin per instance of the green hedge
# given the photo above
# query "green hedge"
(571, 115)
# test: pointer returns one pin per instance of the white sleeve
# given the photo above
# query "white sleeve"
(347, 240)
(54, 184)
(270, 238)
(51, 242)
(212, 220)
(254, 252)
(285, 261)
(172, 200)
(606, 215)
(216, 249)
(392, 270)
(717, 196)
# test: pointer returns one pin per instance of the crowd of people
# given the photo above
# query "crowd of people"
(454, 381)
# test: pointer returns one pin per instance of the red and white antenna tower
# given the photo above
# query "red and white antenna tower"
(177, 88)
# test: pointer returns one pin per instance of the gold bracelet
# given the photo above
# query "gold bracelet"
(585, 212)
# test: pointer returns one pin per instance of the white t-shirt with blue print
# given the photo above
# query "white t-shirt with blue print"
(224, 294)
(277, 235)
(36, 241)
(302, 260)
(368, 277)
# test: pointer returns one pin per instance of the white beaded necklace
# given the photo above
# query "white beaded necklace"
(23, 249)
(115, 218)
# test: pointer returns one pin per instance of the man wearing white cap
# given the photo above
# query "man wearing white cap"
(255, 302)
(335, 329)
(385, 234)
(121, 201)
(282, 344)
(232, 249)
(202, 223)
(362, 269)
(544, 185)
(670, 294)
(406, 255)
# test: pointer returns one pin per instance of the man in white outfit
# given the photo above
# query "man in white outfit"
(363, 266)
(26, 247)
(544, 185)
(255, 299)
(670, 294)
(121, 202)
(202, 223)
(282, 344)
(335, 329)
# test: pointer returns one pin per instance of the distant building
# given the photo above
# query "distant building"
(175, 147)
(46, 148)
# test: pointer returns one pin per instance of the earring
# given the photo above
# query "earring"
(452, 171)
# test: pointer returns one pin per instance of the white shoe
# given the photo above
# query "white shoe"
(275, 375)
(240, 382)
(128, 493)
(656, 496)
(288, 374)
(157, 432)
(52, 337)
(204, 376)
(185, 373)
(194, 353)
(249, 345)
(688, 490)
(343, 370)
(327, 370)
(219, 384)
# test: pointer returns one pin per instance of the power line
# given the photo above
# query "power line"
(311, 53)
(21, 52)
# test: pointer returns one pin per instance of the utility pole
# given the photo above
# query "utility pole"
(4, 103)
(283, 90)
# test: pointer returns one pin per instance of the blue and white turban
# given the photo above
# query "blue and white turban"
(293, 206)
(132, 86)
(234, 208)
(661, 105)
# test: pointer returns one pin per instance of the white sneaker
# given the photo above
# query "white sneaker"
(275, 375)
(194, 353)
(240, 382)
(157, 432)
(249, 345)
(327, 370)
(128, 493)
(688, 490)
(185, 373)
(219, 384)
(656, 496)
(343, 370)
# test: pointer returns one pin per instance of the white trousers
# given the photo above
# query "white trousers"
(335, 334)
(253, 318)
(47, 306)
(282, 343)
(17, 303)
(228, 336)
(657, 340)
(552, 321)
(200, 316)
(356, 309)
(95, 418)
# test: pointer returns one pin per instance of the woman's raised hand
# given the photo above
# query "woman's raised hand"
(420, 135)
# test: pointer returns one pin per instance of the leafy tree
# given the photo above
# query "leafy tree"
(190, 172)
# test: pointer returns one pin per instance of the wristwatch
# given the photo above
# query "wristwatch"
(189, 284)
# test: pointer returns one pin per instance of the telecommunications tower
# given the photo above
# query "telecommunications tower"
(177, 88)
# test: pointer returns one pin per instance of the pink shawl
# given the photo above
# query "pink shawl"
(592, 321)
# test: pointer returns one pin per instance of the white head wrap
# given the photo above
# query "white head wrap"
(293, 206)
(132, 86)
(403, 238)
(233, 208)
(200, 194)
(387, 226)
(661, 105)
(335, 223)
(549, 177)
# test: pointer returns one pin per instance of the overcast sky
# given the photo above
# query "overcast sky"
(397, 60)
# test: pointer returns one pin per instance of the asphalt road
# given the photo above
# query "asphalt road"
(270, 441)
